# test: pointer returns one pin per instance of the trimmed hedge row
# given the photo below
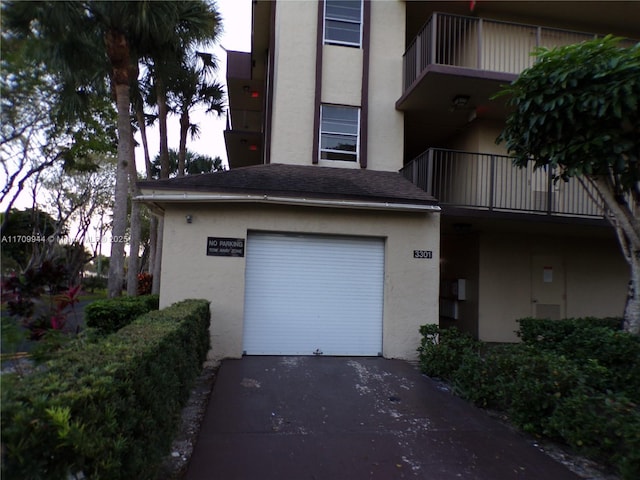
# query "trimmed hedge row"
(580, 386)
(106, 409)
(108, 316)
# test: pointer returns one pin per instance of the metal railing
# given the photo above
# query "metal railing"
(481, 44)
(491, 182)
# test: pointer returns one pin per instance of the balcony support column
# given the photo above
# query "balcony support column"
(430, 180)
(480, 45)
(434, 38)
(492, 180)
(549, 191)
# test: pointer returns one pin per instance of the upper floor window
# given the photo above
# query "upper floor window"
(339, 129)
(343, 22)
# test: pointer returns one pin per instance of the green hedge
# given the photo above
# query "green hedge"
(106, 409)
(533, 330)
(576, 381)
(108, 316)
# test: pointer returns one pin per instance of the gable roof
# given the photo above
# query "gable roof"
(291, 182)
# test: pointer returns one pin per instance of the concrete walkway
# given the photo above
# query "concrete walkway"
(333, 418)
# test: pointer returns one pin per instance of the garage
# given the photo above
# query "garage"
(313, 294)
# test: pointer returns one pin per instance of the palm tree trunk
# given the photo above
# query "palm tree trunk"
(162, 119)
(153, 225)
(117, 49)
(145, 142)
(134, 229)
(164, 173)
(116, 262)
(157, 266)
(182, 151)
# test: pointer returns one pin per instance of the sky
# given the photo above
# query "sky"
(236, 36)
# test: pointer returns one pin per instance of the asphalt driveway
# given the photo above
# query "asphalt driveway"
(352, 418)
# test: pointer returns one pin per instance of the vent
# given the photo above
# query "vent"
(549, 311)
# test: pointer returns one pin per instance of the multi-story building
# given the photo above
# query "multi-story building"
(345, 256)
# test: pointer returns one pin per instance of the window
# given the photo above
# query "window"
(339, 127)
(342, 22)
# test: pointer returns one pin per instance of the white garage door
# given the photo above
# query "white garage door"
(311, 293)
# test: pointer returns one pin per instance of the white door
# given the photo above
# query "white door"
(548, 291)
(307, 294)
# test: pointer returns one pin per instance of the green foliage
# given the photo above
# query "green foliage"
(106, 409)
(442, 351)
(604, 426)
(92, 283)
(195, 163)
(23, 231)
(578, 107)
(590, 340)
(575, 381)
(535, 330)
(110, 315)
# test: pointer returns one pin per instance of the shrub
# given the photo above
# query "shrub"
(604, 426)
(575, 380)
(442, 351)
(485, 379)
(106, 409)
(591, 339)
(108, 316)
(536, 330)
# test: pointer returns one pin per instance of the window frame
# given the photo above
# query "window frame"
(321, 150)
(359, 22)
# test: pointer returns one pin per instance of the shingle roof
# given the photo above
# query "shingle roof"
(301, 181)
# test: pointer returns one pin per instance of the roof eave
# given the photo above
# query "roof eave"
(159, 198)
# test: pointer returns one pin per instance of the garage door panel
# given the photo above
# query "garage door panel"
(305, 293)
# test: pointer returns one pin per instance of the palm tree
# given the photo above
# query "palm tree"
(198, 23)
(88, 40)
(190, 89)
(73, 39)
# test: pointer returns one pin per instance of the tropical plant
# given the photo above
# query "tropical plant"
(577, 111)
(195, 163)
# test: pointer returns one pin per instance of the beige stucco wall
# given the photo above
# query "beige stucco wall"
(294, 82)
(341, 75)
(386, 124)
(342, 69)
(595, 276)
(410, 285)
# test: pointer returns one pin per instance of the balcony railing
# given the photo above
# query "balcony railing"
(481, 44)
(491, 182)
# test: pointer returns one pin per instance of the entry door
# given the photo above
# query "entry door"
(548, 287)
(307, 294)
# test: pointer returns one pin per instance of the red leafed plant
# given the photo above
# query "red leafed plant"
(40, 313)
(145, 281)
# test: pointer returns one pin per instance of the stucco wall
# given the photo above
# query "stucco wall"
(294, 83)
(595, 277)
(410, 285)
(342, 70)
(386, 124)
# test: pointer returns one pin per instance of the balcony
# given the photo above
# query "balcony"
(244, 132)
(459, 54)
(487, 182)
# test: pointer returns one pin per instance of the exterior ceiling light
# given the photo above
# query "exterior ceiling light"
(460, 101)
